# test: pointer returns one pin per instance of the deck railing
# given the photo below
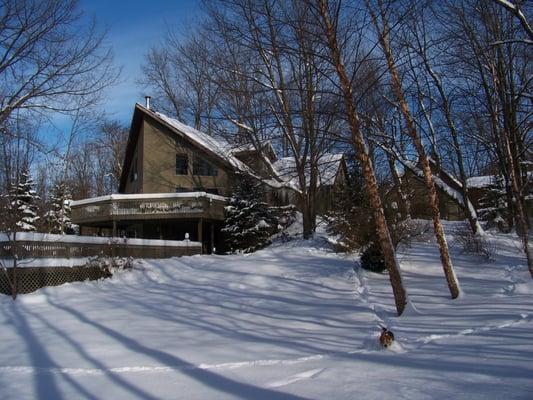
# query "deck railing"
(148, 206)
(37, 246)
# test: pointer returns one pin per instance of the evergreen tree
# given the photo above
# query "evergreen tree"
(23, 198)
(58, 217)
(350, 217)
(249, 222)
(493, 207)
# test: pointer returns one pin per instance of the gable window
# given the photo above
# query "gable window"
(182, 164)
(203, 167)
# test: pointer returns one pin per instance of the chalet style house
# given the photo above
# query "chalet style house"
(175, 182)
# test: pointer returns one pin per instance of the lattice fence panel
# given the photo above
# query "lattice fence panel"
(31, 279)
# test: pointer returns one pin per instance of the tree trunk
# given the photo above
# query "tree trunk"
(521, 215)
(411, 131)
(405, 206)
(400, 295)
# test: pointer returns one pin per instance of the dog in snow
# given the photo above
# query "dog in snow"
(386, 337)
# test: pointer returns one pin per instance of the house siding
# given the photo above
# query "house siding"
(137, 185)
(160, 147)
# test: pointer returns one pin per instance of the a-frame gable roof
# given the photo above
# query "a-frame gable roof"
(218, 148)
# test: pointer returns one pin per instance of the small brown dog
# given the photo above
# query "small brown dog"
(386, 338)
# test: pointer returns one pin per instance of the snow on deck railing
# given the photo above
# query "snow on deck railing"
(147, 196)
(51, 238)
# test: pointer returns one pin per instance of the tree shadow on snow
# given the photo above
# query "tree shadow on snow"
(208, 378)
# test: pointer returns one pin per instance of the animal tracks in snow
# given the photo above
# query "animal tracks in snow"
(152, 369)
(472, 331)
(295, 378)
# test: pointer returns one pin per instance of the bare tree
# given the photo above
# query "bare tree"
(179, 75)
(111, 144)
(424, 47)
(383, 30)
(49, 59)
(499, 75)
(516, 9)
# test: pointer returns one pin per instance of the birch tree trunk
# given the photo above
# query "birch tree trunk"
(400, 295)
(383, 36)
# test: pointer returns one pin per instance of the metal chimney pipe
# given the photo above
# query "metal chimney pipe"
(147, 101)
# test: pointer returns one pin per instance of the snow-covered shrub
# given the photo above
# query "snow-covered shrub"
(285, 217)
(472, 243)
(249, 222)
(372, 259)
(110, 264)
(404, 231)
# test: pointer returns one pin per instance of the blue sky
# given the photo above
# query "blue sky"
(133, 27)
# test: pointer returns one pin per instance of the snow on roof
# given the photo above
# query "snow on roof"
(218, 146)
(265, 146)
(243, 147)
(328, 167)
(479, 182)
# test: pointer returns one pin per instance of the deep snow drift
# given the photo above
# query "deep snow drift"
(292, 321)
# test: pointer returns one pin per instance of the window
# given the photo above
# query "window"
(180, 189)
(133, 173)
(182, 163)
(203, 167)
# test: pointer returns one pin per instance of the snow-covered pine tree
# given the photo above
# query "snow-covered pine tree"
(23, 199)
(248, 223)
(58, 217)
(493, 205)
(350, 217)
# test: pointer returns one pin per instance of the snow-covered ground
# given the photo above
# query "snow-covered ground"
(292, 321)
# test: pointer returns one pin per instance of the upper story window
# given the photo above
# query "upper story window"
(133, 173)
(203, 167)
(182, 164)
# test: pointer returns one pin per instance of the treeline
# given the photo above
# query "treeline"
(54, 68)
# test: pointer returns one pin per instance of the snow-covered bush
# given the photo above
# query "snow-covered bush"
(249, 222)
(285, 216)
(404, 231)
(110, 264)
(472, 243)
